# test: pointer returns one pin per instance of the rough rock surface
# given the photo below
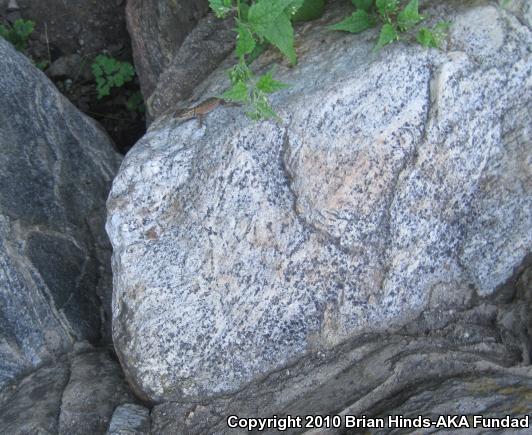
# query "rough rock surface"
(157, 30)
(130, 419)
(363, 245)
(74, 396)
(96, 386)
(56, 167)
(201, 53)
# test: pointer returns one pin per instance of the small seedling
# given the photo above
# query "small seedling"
(110, 73)
(135, 102)
(18, 34)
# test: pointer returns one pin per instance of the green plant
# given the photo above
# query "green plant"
(259, 24)
(135, 102)
(19, 33)
(396, 18)
(110, 73)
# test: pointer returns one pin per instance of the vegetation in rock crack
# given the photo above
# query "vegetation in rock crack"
(110, 73)
(259, 24)
(135, 102)
(262, 23)
(395, 19)
(18, 34)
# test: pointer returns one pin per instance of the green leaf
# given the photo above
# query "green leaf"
(426, 38)
(257, 51)
(269, 20)
(119, 80)
(239, 73)
(281, 34)
(238, 93)
(261, 107)
(388, 34)
(409, 16)
(267, 84)
(294, 6)
(96, 70)
(220, 7)
(310, 10)
(135, 102)
(432, 38)
(387, 8)
(356, 23)
(23, 28)
(262, 13)
(126, 70)
(245, 43)
(365, 5)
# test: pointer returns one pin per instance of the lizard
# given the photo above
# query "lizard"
(199, 110)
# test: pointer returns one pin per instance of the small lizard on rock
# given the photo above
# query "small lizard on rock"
(199, 111)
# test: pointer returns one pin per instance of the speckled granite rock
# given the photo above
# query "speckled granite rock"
(130, 419)
(76, 395)
(56, 167)
(259, 264)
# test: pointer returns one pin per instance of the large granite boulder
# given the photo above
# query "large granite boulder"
(56, 166)
(369, 243)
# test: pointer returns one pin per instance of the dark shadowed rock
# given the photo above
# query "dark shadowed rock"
(203, 50)
(31, 406)
(76, 395)
(96, 386)
(56, 166)
(157, 29)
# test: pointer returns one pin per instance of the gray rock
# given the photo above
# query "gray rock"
(96, 386)
(31, 406)
(72, 66)
(56, 167)
(265, 268)
(76, 395)
(157, 30)
(130, 419)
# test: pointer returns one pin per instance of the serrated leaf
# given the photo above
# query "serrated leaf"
(267, 84)
(245, 43)
(220, 7)
(365, 5)
(356, 23)
(409, 16)
(387, 35)
(238, 93)
(270, 21)
(262, 13)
